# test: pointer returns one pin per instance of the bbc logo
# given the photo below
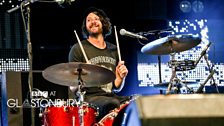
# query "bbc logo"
(39, 94)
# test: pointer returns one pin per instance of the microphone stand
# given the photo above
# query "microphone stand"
(23, 4)
(29, 51)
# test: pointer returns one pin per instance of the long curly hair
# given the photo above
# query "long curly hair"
(106, 24)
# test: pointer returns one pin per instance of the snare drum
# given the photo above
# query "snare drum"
(115, 117)
(69, 115)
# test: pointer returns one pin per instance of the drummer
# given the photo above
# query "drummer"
(95, 28)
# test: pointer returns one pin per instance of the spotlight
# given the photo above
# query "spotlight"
(185, 6)
(197, 6)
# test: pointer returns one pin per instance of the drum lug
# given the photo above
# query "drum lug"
(114, 115)
(86, 110)
(97, 111)
(66, 109)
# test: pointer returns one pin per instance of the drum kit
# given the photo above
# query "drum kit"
(80, 75)
(88, 75)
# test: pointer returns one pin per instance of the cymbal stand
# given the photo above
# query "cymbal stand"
(157, 34)
(81, 97)
(203, 54)
(200, 89)
(175, 83)
(211, 70)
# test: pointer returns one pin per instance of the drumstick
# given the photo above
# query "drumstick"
(80, 44)
(118, 47)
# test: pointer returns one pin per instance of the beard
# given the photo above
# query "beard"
(96, 31)
(95, 34)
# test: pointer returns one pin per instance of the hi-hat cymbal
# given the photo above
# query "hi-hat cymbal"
(171, 44)
(67, 74)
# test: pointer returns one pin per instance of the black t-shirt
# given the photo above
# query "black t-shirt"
(107, 58)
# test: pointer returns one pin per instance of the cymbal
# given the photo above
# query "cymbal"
(67, 74)
(171, 44)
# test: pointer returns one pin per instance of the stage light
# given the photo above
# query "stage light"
(197, 6)
(185, 6)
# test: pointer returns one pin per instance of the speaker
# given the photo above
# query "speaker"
(15, 92)
(176, 110)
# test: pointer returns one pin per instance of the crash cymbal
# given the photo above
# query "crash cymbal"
(67, 74)
(171, 44)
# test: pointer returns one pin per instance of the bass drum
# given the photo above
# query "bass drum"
(69, 115)
(115, 118)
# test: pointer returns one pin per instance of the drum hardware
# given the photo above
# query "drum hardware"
(80, 93)
(170, 45)
(200, 89)
(157, 34)
(210, 70)
(81, 97)
(66, 73)
(73, 120)
(183, 65)
(163, 86)
(203, 54)
(97, 111)
(66, 109)
(80, 75)
(176, 83)
(41, 113)
(56, 116)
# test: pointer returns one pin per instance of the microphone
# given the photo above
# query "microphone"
(202, 53)
(133, 35)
